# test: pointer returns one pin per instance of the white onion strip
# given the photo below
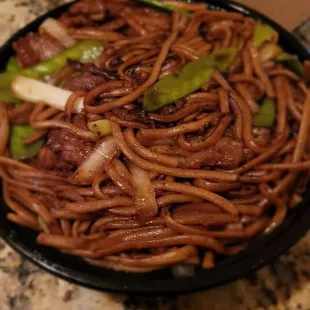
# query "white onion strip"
(144, 193)
(35, 91)
(56, 30)
(101, 155)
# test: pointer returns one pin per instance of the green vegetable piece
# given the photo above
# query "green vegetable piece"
(91, 50)
(18, 149)
(102, 127)
(191, 77)
(6, 78)
(6, 96)
(12, 65)
(290, 61)
(266, 115)
(262, 33)
(163, 6)
(86, 51)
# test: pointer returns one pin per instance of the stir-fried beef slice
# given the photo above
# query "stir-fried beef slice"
(64, 150)
(83, 81)
(36, 47)
(68, 146)
(24, 52)
(227, 153)
(48, 160)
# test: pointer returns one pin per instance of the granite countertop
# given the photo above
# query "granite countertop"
(283, 285)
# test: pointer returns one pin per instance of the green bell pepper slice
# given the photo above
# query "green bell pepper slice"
(6, 96)
(18, 133)
(18, 149)
(12, 65)
(266, 115)
(101, 127)
(290, 61)
(262, 33)
(191, 77)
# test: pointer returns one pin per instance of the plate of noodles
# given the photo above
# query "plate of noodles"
(153, 147)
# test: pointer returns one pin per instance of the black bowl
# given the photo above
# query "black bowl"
(75, 270)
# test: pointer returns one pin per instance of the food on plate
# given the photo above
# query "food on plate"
(140, 135)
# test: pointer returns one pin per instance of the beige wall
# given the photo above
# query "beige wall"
(289, 13)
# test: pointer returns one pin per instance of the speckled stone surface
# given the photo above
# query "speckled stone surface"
(284, 285)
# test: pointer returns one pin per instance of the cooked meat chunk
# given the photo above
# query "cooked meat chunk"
(35, 47)
(83, 81)
(227, 153)
(64, 150)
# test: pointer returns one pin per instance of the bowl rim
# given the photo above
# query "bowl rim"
(297, 223)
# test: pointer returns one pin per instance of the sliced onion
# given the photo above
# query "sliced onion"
(4, 128)
(145, 199)
(102, 154)
(269, 51)
(56, 30)
(102, 127)
(35, 91)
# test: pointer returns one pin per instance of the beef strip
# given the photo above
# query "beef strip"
(83, 81)
(227, 153)
(48, 160)
(64, 151)
(68, 146)
(34, 48)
